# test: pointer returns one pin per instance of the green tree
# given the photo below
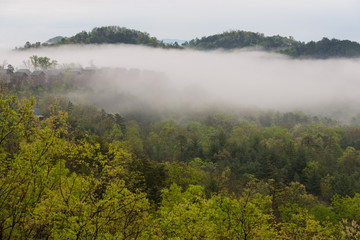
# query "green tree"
(43, 63)
(350, 160)
(25, 175)
(299, 224)
(347, 207)
(15, 117)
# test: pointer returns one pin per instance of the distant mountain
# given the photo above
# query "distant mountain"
(325, 49)
(242, 39)
(322, 49)
(54, 40)
(115, 35)
(229, 40)
(112, 34)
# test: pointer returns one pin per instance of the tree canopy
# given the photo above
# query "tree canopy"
(84, 173)
(228, 40)
(241, 39)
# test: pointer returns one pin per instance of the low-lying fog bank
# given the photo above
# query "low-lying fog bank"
(166, 79)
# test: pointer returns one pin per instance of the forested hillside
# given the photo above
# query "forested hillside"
(73, 171)
(229, 40)
(325, 48)
(241, 39)
(112, 34)
(107, 35)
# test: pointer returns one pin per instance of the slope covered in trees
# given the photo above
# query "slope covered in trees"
(84, 173)
(324, 48)
(241, 39)
(112, 34)
(107, 35)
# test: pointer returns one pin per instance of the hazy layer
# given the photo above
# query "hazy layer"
(239, 78)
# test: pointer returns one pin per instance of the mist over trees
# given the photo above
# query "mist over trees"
(71, 170)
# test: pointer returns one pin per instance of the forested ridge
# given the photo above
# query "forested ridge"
(241, 39)
(325, 48)
(322, 49)
(105, 35)
(79, 172)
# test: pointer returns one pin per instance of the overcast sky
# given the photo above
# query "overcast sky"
(305, 20)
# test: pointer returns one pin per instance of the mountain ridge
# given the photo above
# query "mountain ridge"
(229, 40)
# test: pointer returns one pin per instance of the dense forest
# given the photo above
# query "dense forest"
(322, 49)
(106, 35)
(241, 39)
(74, 171)
(325, 48)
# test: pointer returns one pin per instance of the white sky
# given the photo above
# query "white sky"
(39, 20)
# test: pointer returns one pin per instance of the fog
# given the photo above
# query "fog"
(169, 79)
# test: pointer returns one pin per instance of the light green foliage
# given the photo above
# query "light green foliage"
(14, 116)
(123, 164)
(84, 173)
(299, 224)
(28, 175)
(85, 158)
(82, 207)
(347, 207)
(41, 198)
(248, 217)
(184, 174)
(188, 215)
(181, 215)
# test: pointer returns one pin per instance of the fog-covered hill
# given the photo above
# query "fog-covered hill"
(229, 40)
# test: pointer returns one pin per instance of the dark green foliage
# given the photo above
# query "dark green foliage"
(343, 185)
(323, 214)
(112, 34)
(322, 49)
(325, 48)
(31, 45)
(106, 35)
(241, 39)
